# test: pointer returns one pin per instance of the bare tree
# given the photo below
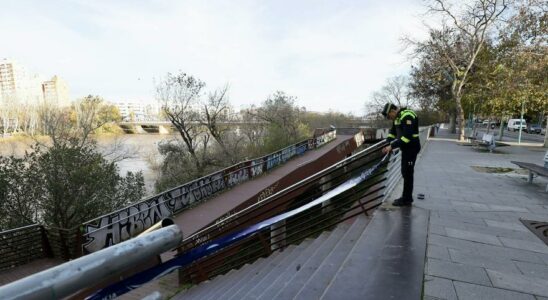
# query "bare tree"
(56, 124)
(396, 91)
(254, 130)
(216, 111)
(461, 39)
(179, 96)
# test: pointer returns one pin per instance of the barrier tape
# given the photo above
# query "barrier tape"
(139, 279)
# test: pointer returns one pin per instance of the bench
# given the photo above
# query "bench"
(534, 169)
(488, 141)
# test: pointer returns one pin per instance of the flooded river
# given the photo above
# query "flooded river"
(135, 152)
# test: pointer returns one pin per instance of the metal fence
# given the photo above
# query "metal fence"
(22, 245)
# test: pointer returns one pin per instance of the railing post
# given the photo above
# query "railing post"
(45, 243)
(277, 235)
(325, 185)
(265, 244)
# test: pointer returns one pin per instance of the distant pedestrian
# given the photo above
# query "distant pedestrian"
(437, 127)
(404, 134)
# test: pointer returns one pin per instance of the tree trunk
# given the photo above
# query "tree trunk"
(460, 117)
(546, 137)
(501, 129)
(452, 122)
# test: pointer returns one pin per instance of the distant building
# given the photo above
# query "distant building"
(56, 92)
(19, 86)
(136, 111)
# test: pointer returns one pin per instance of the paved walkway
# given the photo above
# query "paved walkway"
(477, 247)
(10, 275)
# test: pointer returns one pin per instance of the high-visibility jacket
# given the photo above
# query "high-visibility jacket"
(405, 130)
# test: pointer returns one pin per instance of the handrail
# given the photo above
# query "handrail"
(230, 239)
(233, 225)
(20, 228)
(66, 279)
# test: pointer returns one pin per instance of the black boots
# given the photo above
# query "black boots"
(402, 202)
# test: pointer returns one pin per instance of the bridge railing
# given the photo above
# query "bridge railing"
(22, 245)
(125, 223)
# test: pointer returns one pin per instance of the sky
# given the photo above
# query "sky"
(330, 55)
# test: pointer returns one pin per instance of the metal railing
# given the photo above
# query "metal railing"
(364, 198)
(359, 200)
(71, 277)
(129, 221)
(22, 245)
(348, 188)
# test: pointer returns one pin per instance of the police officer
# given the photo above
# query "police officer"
(404, 134)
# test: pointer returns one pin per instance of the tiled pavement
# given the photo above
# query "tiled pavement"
(477, 247)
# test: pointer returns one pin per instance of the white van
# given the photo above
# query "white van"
(515, 124)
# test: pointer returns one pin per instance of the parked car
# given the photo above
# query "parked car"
(493, 123)
(533, 128)
(515, 124)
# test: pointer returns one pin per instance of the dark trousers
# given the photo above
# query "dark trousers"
(408, 158)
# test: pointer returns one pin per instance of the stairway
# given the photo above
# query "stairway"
(354, 261)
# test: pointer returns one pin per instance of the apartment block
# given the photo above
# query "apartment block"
(18, 85)
(56, 92)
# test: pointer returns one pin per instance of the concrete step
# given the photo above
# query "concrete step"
(203, 289)
(269, 277)
(229, 279)
(319, 281)
(390, 252)
(293, 267)
(200, 291)
(259, 274)
(293, 284)
(244, 276)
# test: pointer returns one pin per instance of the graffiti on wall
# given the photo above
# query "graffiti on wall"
(325, 138)
(359, 139)
(238, 174)
(269, 191)
(280, 157)
(257, 167)
(125, 223)
(381, 133)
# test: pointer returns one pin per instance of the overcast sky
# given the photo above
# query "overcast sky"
(331, 55)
